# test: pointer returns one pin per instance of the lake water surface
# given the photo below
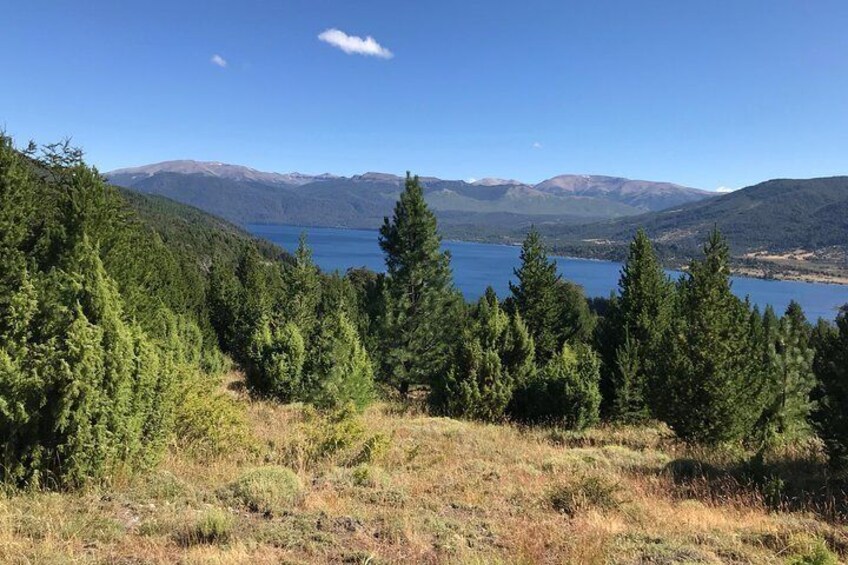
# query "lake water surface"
(478, 265)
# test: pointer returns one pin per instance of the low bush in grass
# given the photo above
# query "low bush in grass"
(587, 492)
(214, 526)
(269, 490)
(209, 422)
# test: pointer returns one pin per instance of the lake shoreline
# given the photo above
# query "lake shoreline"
(736, 271)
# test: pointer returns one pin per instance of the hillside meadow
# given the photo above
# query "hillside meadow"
(271, 483)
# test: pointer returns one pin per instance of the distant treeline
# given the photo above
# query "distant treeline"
(111, 304)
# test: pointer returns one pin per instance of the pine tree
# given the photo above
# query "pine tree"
(340, 370)
(566, 392)
(419, 321)
(303, 290)
(790, 378)
(642, 316)
(535, 296)
(831, 369)
(495, 354)
(710, 389)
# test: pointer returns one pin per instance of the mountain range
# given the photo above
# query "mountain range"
(245, 195)
(787, 228)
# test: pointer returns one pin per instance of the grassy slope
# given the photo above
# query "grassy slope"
(443, 491)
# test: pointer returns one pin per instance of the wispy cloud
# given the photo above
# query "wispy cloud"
(537, 145)
(218, 61)
(355, 45)
(724, 189)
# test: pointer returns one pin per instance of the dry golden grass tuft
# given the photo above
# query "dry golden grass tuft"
(398, 486)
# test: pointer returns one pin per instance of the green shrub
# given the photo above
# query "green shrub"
(339, 368)
(495, 354)
(813, 552)
(213, 526)
(565, 393)
(84, 392)
(276, 359)
(268, 490)
(210, 422)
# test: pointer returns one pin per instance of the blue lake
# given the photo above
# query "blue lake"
(478, 265)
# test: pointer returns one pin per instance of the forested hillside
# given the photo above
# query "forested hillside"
(790, 226)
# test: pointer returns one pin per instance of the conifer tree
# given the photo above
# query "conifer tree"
(831, 369)
(495, 354)
(303, 289)
(790, 378)
(419, 320)
(535, 295)
(711, 388)
(566, 392)
(276, 358)
(340, 369)
(641, 317)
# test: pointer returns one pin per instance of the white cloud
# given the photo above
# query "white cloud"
(471, 180)
(354, 45)
(219, 61)
(537, 145)
(724, 189)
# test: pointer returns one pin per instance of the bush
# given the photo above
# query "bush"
(587, 492)
(84, 393)
(813, 552)
(276, 359)
(213, 526)
(496, 354)
(269, 490)
(566, 392)
(339, 367)
(209, 422)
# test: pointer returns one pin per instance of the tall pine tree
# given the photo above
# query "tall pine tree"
(711, 390)
(419, 320)
(831, 368)
(535, 295)
(641, 318)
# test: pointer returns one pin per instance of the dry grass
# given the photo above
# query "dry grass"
(391, 487)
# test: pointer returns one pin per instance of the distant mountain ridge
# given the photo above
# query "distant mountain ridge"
(246, 195)
(792, 228)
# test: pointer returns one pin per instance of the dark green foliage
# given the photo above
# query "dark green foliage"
(789, 376)
(536, 295)
(636, 325)
(97, 317)
(418, 323)
(495, 355)
(575, 321)
(554, 310)
(275, 360)
(302, 290)
(711, 386)
(339, 367)
(566, 392)
(831, 368)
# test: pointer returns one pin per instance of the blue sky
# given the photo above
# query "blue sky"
(703, 93)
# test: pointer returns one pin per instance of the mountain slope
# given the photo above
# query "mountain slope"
(244, 195)
(783, 223)
(640, 194)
